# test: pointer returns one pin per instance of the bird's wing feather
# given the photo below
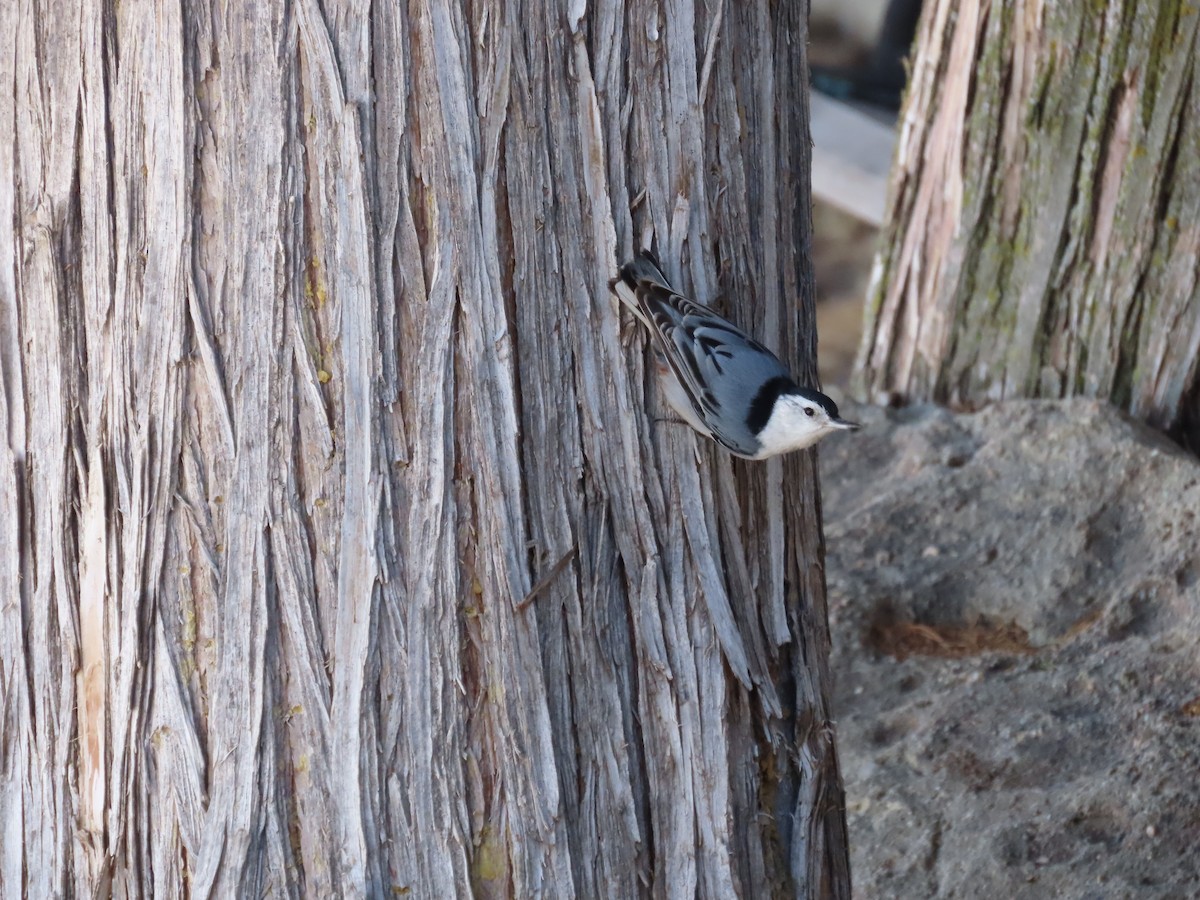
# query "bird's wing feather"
(717, 364)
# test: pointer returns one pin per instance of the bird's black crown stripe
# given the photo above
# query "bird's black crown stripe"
(819, 399)
(764, 401)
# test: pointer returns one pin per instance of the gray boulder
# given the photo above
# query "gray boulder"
(1015, 603)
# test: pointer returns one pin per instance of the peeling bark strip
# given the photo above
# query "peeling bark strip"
(340, 553)
(1044, 237)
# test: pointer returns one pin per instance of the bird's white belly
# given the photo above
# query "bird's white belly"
(677, 399)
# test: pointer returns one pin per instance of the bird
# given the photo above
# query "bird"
(722, 382)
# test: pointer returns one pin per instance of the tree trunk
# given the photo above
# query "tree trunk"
(1044, 238)
(341, 550)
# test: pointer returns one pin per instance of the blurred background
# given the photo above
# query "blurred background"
(857, 54)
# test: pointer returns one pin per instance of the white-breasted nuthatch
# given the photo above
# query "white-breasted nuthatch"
(722, 382)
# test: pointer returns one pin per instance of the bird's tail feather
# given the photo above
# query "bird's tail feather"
(643, 267)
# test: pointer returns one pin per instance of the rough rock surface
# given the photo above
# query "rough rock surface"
(1015, 603)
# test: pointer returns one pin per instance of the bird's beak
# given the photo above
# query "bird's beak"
(842, 423)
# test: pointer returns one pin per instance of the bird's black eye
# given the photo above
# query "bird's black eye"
(808, 411)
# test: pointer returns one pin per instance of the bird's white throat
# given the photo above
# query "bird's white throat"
(790, 428)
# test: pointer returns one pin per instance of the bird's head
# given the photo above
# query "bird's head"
(800, 418)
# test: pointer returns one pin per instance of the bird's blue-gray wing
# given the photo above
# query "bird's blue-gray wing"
(720, 367)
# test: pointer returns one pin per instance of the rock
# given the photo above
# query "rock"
(1015, 603)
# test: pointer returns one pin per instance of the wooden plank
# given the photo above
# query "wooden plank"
(852, 158)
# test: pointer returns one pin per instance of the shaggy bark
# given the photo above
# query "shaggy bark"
(341, 551)
(1043, 237)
